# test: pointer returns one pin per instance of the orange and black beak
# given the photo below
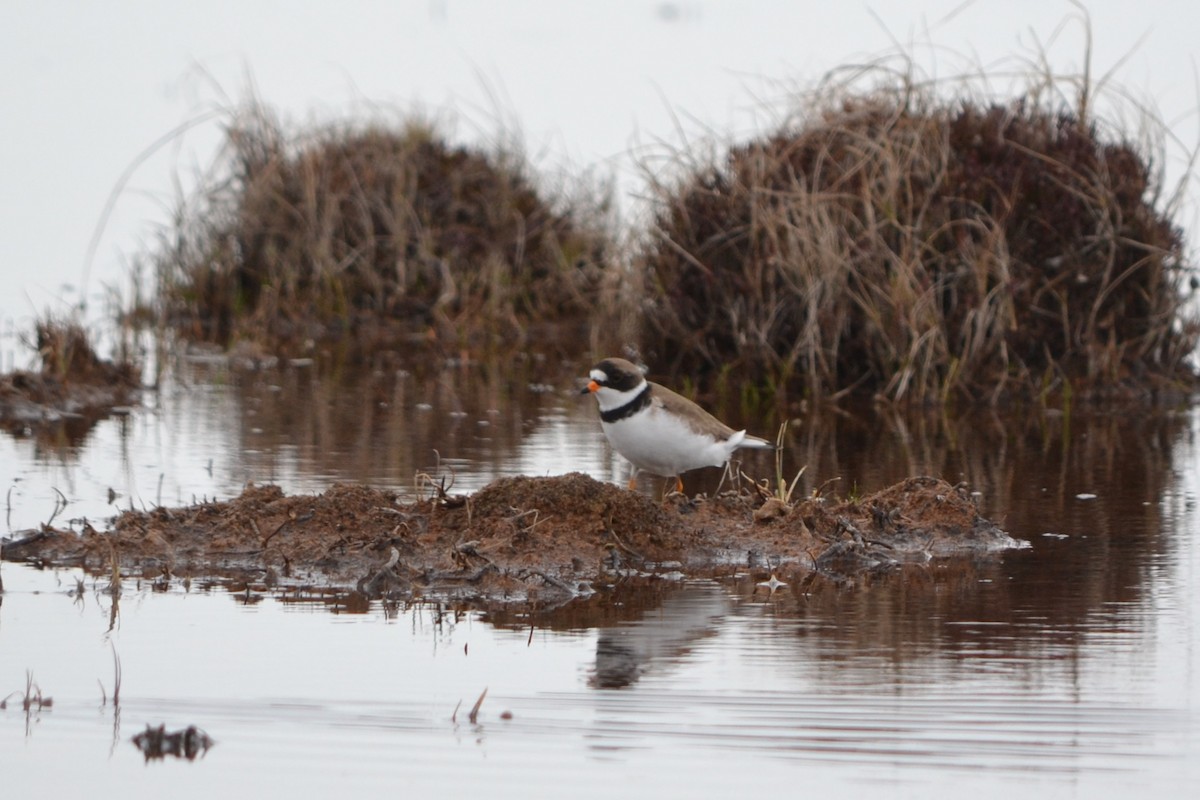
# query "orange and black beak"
(592, 386)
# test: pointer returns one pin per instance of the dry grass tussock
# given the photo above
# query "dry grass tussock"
(73, 385)
(68, 356)
(894, 243)
(372, 236)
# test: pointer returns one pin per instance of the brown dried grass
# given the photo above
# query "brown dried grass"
(376, 236)
(894, 243)
(68, 356)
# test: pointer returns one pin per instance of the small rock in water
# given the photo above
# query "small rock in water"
(1085, 496)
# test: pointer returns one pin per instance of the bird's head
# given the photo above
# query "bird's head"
(616, 374)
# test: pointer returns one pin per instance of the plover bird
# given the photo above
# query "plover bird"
(657, 430)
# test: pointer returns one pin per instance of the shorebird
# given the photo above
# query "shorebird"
(657, 430)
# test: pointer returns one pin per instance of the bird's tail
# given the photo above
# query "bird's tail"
(753, 442)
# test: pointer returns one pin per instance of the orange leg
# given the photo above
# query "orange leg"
(633, 473)
(679, 484)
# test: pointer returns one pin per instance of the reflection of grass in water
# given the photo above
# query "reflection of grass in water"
(473, 715)
(32, 699)
(114, 584)
(116, 693)
(412, 430)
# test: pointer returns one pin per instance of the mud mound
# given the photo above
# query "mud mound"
(916, 519)
(519, 536)
(346, 526)
(74, 383)
(580, 504)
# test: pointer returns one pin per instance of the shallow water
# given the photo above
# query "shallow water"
(1066, 668)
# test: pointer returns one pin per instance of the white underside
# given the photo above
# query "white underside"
(660, 443)
(657, 441)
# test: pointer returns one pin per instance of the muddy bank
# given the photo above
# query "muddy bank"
(32, 399)
(519, 537)
(74, 384)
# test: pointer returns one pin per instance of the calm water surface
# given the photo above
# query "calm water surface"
(1067, 669)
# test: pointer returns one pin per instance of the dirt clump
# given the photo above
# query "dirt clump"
(520, 536)
(73, 382)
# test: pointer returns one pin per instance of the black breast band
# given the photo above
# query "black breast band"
(629, 409)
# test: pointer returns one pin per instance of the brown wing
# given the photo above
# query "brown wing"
(696, 417)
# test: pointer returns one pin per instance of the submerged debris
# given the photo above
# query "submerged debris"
(157, 743)
(32, 699)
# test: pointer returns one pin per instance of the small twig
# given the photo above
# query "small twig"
(60, 504)
(441, 489)
(474, 715)
(820, 490)
(537, 519)
(114, 563)
(611, 531)
(371, 584)
(393, 559)
(116, 676)
(273, 533)
(550, 579)
(727, 471)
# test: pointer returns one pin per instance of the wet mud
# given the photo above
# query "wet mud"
(520, 538)
(30, 399)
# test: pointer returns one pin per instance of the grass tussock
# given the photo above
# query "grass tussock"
(895, 243)
(375, 236)
(68, 356)
(72, 387)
